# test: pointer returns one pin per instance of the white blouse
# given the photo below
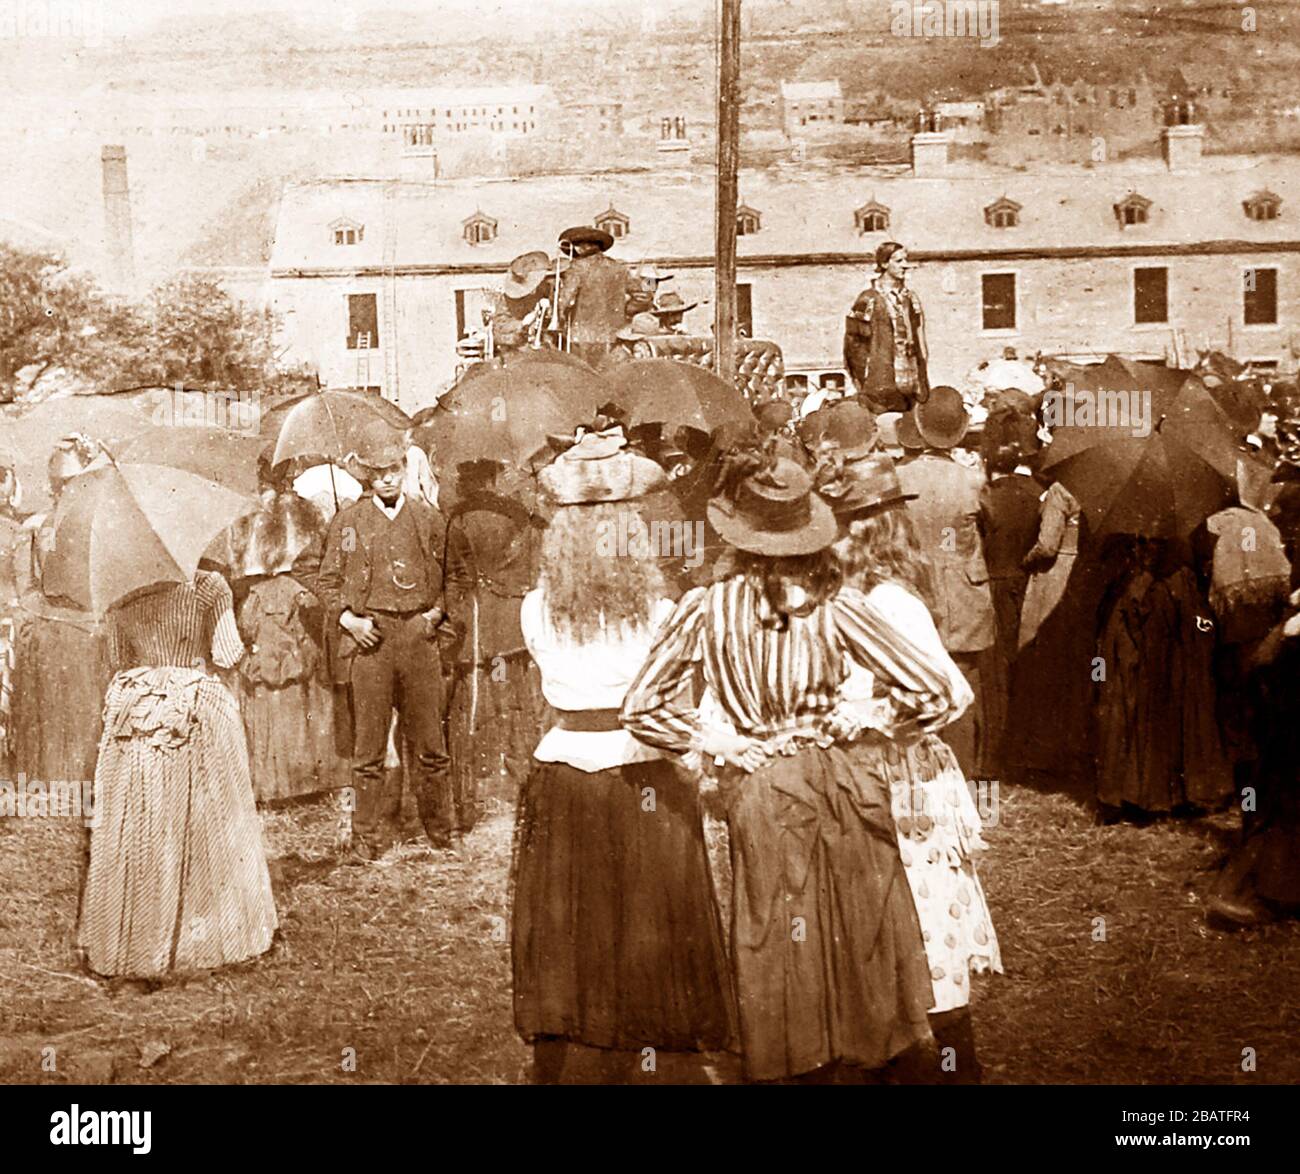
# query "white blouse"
(909, 615)
(588, 676)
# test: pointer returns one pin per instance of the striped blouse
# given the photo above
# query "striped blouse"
(180, 625)
(772, 679)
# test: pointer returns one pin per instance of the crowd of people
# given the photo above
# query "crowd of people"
(887, 609)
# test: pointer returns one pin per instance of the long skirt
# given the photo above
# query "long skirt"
(938, 828)
(60, 673)
(291, 740)
(617, 940)
(492, 726)
(825, 940)
(178, 877)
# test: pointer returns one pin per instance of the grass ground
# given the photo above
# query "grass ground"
(406, 962)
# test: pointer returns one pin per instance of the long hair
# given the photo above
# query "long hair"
(599, 571)
(818, 574)
(883, 548)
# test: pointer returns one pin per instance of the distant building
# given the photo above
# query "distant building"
(805, 104)
(423, 118)
(1144, 258)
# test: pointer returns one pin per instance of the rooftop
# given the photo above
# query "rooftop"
(805, 211)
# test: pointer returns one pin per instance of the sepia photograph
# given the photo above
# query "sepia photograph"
(655, 543)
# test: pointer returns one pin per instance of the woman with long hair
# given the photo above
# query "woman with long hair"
(617, 941)
(826, 947)
(936, 819)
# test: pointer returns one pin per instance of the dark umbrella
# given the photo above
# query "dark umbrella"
(217, 454)
(508, 414)
(529, 356)
(327, 423)
(666, 391)
(124, 527)
(1159, 475)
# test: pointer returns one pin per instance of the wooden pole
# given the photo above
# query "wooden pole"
(727, 197)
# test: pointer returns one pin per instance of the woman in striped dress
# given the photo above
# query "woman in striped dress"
(826, 947)
(937, 822)
(178, 878)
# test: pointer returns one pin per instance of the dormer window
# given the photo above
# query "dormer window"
(1132, 209)
(613, 222)
(479, 229)
(347, 232)
(1002, 213)
(871, 217)
(748, 221)
(1263, 206)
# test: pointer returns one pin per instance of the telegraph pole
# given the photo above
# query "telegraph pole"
(727, 196)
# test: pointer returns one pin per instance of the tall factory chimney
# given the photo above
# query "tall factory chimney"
(117, 217)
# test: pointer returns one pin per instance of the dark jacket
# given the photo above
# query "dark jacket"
(1008, 518)
(343, 579)
(869, 351)
(594, 293)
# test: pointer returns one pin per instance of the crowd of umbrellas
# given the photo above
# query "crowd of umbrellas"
(174, 487)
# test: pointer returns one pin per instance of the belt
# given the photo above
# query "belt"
(588, 721)
(395, 615)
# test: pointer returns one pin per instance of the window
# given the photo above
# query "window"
(1132, 209)
(872, 217)
(999, 290)
(1259, 297)
(1002, 213)
(479, 229)
(1263, 206)
(1150, 295)
(363, 322)
(745, 311)
(613, 222)
(748, 220)
(347, 232)
(470, 304)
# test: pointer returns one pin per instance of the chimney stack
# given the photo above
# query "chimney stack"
(930, 153)
(1182, 145)
(117, 217)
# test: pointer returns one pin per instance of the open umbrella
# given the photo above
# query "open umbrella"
(666, 391)
(528, 355)
(31, 432)
(217, 454)
(129, 526)
(327, 423)
(508, 414)
(1142, 459)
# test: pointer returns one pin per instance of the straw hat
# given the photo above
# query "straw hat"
(773, 510)
(862, 488)
(527, 271)
(600, 468)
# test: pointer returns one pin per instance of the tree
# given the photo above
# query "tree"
(199, 336)
(55, 322)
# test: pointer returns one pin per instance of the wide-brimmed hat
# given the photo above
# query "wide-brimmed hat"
(599, 467)
(648, 274)
(843, 425)
(860, 488)
(379, 445)
(528, 271)
(774, 511)
(940, 422)
(584, 234)
(643, 325)
(672, 303)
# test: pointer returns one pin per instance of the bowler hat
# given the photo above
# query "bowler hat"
(862, 488)
(940, 422)
(585, 234)
(379, 445)
(774, 511)
(843, 425)
(527, 272)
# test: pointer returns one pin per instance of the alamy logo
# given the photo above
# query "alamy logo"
(1073, 408)
(976, 19)
(103, 1127)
